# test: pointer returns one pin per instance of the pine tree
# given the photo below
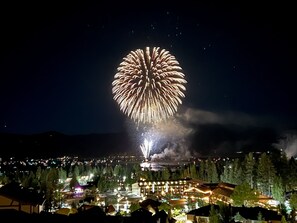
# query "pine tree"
(237, 176)
(201, 173)
(193, 170)
(165, 174)
(283, 220)
(244, 195)
(213, 215)
(293, 201)
(249, 164)
(265, 174)
(208, 170)
(278, 191)
(225, 176)
(292, 174)
(214, 173)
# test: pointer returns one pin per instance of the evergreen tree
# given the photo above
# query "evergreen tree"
(43, 178)
(4, 179)
(102, 185)
(213, 215)
(165, 174)
(134, 206)
(149, 175)
(214, 173)
(225, 212)
(76, 171)
(70, 171)
(208, 170)
(33, 182)
(238, 218)
(38, 173)
(293, 201)
(136, 171)
(51, 186)
(62, 174)
(186, 171)
(244, 195)
(292, 174)
(260, 216)
(266, 173)
(88, 170)
(201, 173)
(232, 172)
(237, 173)
(193, 171)
(281, 164)
(117, 170)
(176, 175)
(249, 164)
(73, 182)
(25, 181)
(278, 191)
(226, 175)
(283, 220)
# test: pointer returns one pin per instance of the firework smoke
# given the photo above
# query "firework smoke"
(176, 151)
(288, 144)
(226, 132)
(172, 141)
(201, 117)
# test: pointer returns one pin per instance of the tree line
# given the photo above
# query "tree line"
(272, 174)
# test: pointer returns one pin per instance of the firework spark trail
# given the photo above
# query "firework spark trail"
(146, 148)
(149, 85)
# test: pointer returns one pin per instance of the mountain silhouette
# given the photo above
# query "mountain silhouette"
(207, 140)
(54, 144)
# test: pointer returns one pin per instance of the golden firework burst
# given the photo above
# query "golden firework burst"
(149, 85)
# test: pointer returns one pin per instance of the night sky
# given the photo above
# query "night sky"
(58, 61)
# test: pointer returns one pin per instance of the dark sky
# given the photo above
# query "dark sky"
(58, 61)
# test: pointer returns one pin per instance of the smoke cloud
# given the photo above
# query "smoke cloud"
(200, 132)
(201, 117)
(174, 152)
(172, 139)
(288, 144)
(228, 132)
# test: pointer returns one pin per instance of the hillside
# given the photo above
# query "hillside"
(52, 144)
(205, 140)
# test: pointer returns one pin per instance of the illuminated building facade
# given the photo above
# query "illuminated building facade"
(163, 187)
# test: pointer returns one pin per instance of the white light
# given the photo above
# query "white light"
(146, 148)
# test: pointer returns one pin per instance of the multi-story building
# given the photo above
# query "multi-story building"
(163, 187)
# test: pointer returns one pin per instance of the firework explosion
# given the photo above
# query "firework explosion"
(149, 85)
(146, 148)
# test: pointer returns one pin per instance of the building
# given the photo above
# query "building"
(222, 192)
(163, 187)
(14, 196)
